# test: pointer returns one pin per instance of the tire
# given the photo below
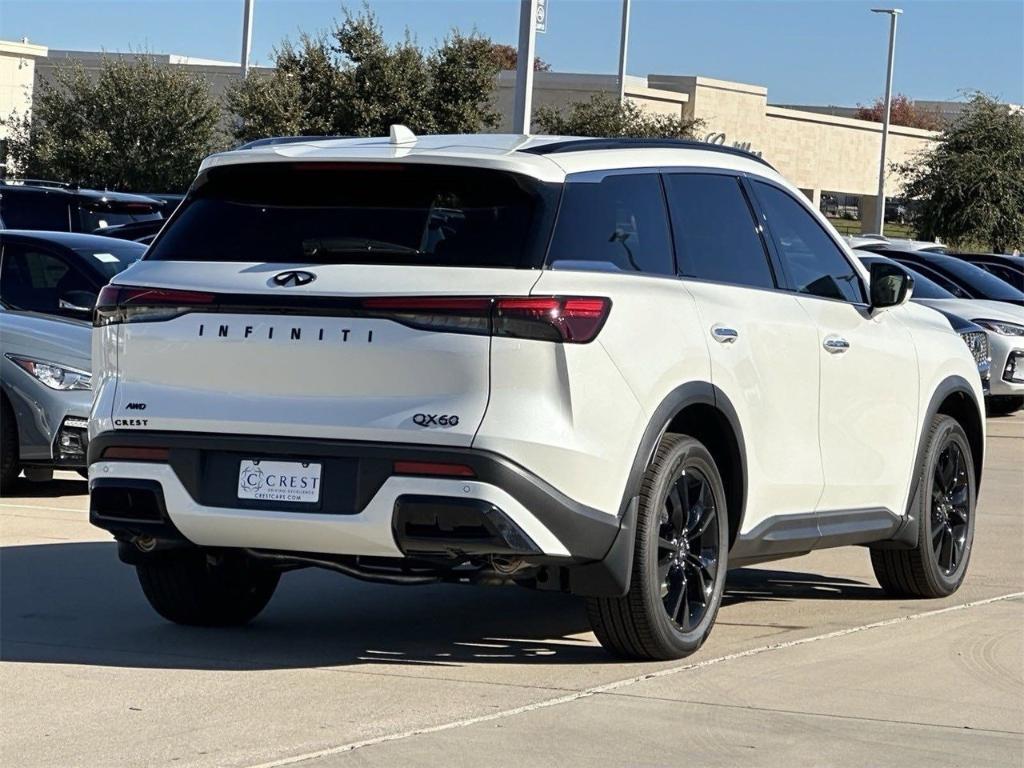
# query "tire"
(1003, 405)
(9, 452)
(191, 587)
(936, 567)
(665, 570)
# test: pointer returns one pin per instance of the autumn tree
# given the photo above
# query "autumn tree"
(507, 57)
(903, 112)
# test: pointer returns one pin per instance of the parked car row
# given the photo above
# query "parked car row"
(981, 288)
(29, 204)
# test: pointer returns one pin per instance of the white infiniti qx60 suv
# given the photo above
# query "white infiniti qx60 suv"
(614, 368)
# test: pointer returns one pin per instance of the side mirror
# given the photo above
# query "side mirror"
(891, 286)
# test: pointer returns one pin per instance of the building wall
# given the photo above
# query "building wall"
(558, 89)
(17, 71)
(219, 74)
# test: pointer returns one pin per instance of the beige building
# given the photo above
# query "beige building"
(17, 75)
(818, 152)
(821, 153)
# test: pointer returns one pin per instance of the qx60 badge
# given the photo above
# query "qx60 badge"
(293, 277)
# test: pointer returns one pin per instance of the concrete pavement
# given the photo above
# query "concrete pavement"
(809, 664)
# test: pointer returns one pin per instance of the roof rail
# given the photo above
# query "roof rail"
(586, 145)
(15, 180)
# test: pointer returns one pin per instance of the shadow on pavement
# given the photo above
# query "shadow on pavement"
(750, 584)
(51, 489)
(77, 604)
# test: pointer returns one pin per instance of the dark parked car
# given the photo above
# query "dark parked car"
(48, 286)
(961, 278)
(1004, 266)
(57, 207)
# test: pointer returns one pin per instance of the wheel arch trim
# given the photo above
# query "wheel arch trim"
(672, 405)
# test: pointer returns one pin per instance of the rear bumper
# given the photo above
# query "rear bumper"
(504, 510)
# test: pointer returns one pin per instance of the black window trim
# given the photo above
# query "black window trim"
(770, 237)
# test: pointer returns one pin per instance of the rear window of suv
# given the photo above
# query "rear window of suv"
(365, 213)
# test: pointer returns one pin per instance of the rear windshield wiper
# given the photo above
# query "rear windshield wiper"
(355, 245)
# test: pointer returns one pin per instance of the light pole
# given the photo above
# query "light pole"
(246, 36)
(623, 46)
(523, 104)
(880, 209)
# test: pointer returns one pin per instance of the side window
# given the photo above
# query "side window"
(939, 278)
(616, 224)
(38, 281)
(30, 209)
(715, 232)
(814, 262)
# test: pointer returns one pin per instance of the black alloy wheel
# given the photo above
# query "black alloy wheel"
(688, 543)
(680, 558)
(950, 510)
(943, 507)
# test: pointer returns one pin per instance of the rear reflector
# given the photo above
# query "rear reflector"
(433, 469)
(128, 453)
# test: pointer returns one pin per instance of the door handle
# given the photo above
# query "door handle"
(836, 344)
(724, 335)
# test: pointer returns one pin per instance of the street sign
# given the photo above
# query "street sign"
(542, 16)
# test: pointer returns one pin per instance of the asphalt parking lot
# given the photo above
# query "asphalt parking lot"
(810, 664)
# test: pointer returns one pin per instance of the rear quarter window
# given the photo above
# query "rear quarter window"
(617, 223)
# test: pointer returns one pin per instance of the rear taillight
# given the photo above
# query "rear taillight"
(126, 304)
(571, 320)
(574, 320)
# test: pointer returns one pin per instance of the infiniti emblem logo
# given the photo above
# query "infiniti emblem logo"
(294, 277)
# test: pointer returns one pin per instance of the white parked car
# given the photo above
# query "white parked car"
(1003, 323)
(614, 368)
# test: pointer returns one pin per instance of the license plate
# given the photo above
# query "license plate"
(291, 481)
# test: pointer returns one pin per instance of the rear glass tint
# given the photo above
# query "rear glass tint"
(346, 213)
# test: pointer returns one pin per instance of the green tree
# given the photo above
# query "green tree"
(299, 97)
(602, 115)
(970, 186)
(353, 83)
(133, 126)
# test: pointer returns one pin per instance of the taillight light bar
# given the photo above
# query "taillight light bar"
(561, 319)
(126, 304)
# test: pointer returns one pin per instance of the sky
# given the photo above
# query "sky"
(809, 52)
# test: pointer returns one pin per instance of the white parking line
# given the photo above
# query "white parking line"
(44, 509)
(598, 689)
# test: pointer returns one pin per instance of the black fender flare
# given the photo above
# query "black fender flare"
(611, 576)
(680, 398)
(906, 535)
